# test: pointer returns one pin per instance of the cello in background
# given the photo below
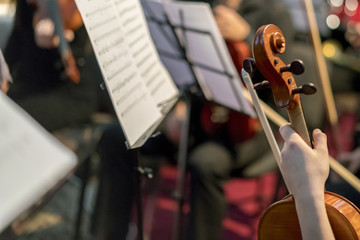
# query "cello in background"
(280, 220)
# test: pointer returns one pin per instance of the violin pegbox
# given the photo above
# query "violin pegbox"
(268, 43)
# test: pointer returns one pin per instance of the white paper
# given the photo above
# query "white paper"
(32, 161)
(137, 82)
(207, 52)
(156, 77)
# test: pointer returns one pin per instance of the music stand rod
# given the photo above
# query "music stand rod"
(181, 173)
(138, 196)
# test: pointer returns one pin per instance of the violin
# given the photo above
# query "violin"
(70, 14)
(280, 220)
(66, 19)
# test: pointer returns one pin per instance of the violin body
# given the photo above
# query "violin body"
(49, 37)
(70, 14)
(280, 219)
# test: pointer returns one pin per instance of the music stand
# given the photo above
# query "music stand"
(32, 163)
(140, 88)
(171, 37)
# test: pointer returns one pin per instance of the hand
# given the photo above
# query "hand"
(231, 25)
(304, 169)
(4, 86)
(44, 33)
(70, 66)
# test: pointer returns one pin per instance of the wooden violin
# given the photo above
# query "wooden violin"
(70, 14)
(280, 220)
(66, 19)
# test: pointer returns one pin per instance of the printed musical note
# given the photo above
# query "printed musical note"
(144, 52)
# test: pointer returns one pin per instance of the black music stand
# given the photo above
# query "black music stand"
(177, 54)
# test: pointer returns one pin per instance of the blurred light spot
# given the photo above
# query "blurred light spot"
(3, 9)
(349, 13)
(351, 5)
(329, 50)
(6, 9)
(333, 21)
(336, 3)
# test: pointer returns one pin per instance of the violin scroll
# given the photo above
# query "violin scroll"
(269, 42)
(296, 67)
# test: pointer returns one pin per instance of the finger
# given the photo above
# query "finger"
(320, 140)
(286, 131)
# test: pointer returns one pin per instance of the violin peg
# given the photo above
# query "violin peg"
(307, 89)
(296, 67)
(262, 85)
(249, 66)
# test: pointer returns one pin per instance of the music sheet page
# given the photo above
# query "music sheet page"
(146, 59)
(135, 80)
(32, 161)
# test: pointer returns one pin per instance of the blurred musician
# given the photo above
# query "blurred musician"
(47, 67)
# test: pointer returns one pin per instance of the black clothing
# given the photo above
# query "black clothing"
(41, 86)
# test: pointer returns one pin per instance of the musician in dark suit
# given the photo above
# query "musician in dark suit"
(43, 86)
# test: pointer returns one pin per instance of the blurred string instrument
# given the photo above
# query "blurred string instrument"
(280, 219)
(70, 14)
(66, 19)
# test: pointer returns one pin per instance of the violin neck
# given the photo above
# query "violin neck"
(297, 121)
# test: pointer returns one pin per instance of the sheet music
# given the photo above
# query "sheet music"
(136, 81)
(156, 77)
(32, 161)
(196, 29)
